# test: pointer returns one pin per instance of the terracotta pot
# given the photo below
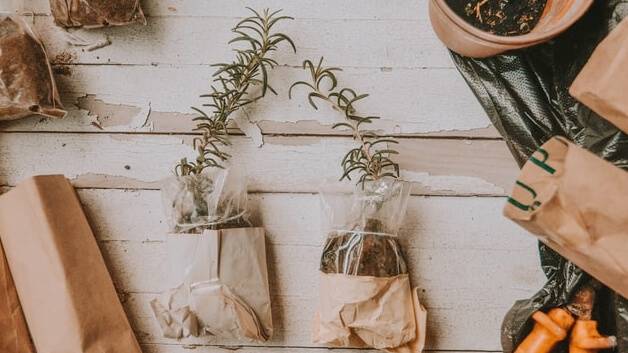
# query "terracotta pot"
(467, 40)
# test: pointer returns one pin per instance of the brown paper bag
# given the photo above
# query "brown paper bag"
(367, 311)
(96, 13)
(27, 86)
(66, 293)
(603, 82)
(577, 204)
(14, 336)
(220, 277)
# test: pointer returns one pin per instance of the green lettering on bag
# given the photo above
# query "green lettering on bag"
(542, 163)
(522, 206)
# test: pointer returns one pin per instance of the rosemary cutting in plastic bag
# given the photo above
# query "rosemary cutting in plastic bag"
(365, 295)
(364, 246)
(236, 84)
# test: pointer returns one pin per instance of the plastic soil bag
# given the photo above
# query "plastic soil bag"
(362, 233)
(96, 13)
(27, 86)
(525, 94)
(601, 84)
(365, 296)
(210, 200)
(219, 279)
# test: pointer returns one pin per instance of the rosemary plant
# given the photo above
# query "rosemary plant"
(372, 158)
(233, 83)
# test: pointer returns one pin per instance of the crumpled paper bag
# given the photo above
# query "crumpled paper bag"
(173, 314)
(220, 277)
(577, 204)
(96, 13)
(27, 86)
(14, 336)
(603, 82)
(365, 311)
(67, 295)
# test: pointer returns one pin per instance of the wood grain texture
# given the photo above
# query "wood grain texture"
(160, 69)
(493, 262)
(282, 164)
(135, 98)
(320, 9)
(129, 121)
(197, 39)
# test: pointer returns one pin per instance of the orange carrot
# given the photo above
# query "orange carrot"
(586, 339)
(549, 330)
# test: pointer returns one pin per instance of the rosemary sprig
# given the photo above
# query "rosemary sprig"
(233, 83)
(372, 158)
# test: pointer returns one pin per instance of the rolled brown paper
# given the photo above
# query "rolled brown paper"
(67, 295)
(14, 336)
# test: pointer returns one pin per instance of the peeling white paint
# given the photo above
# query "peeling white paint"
(451, 183)
(249, 128)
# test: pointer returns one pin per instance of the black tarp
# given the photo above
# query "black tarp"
(525, 94)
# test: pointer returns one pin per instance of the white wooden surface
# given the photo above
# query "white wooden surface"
(129, 122)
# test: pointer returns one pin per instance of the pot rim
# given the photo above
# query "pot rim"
(508, 40)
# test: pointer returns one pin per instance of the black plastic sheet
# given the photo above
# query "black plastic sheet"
(525, 94)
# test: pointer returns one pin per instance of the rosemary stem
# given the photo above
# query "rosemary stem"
(356, 132)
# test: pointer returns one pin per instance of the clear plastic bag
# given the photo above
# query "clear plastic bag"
(96, 13)
(362, 229)
(27, 86)
(214, 199)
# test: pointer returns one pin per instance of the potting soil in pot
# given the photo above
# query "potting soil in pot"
(501, 17)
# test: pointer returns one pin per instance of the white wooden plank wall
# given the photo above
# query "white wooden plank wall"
(129, 122)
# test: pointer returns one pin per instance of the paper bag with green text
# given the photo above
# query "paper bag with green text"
(576, 203)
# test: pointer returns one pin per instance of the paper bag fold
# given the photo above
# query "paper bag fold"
(364, 311)
(576, 203)
(67, 295)
(603, 82)
(221, 277)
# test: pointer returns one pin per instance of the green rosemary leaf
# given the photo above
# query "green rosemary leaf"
(280, 37)
(313, 95)
(297, 84)
(271, 89)
(337, 125)
(257, 15)
(241, 27)
(264, 80)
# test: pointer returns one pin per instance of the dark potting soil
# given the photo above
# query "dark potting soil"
(501, 17)
(361, 253)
